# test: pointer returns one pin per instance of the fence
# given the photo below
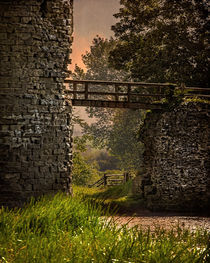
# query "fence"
(112, 179)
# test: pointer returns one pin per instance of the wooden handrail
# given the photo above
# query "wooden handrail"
(198, 95)
(131, 84)
(122, 96)
(197, 88)
(122, 83)
(114, 94)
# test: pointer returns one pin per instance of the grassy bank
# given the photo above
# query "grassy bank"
(64, 229)
(118, 199)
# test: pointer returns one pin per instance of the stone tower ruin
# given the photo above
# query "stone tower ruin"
(176, 168)
(35, 115)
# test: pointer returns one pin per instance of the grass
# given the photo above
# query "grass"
(118, 198)
(65, 229)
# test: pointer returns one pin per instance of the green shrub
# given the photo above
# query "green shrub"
(83, 173)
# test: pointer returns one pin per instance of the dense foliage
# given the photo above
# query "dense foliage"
(84, 173)
(123, 140)
(97, 64)
(163, 41)
(155, 41)
(115, 130)
(104, 160)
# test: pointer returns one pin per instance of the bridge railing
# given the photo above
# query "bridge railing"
(197, 92)
(125, 94)
(115, 89)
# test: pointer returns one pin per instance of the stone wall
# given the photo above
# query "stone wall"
(35, 116)
(176, 170)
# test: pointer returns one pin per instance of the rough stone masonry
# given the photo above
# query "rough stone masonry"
(35, 116)
(176, 169)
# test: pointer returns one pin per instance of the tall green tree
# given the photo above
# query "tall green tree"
(97, 68)
(113, 129)
(97, 64)
(162, 41)
(123, 139)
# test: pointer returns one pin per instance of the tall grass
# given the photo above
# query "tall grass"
(65, 229)
(118, 198)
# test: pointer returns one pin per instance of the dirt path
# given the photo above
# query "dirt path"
(145, 219)
(166, 222)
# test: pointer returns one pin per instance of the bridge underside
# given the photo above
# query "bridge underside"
(115, 104)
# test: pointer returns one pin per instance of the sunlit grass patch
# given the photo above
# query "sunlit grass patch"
(66, 229)
(115, 198)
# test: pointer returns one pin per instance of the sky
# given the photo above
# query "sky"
(91, 18)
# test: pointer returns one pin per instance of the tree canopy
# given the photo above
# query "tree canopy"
(115, 130)
(162, 41)
(155, 41)
(97, 64)
(97, 68)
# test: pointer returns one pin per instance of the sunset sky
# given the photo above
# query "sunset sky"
(91, 18)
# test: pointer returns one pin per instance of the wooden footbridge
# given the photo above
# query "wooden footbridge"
(133, 95)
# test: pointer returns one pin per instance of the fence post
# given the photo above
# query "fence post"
(126, 177)
(116, 91)
(170, 94)
(74, 91)
(105, 180)
(129, 92)
(86, 91)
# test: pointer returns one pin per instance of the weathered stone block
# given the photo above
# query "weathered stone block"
(35, 48)
(176, 159)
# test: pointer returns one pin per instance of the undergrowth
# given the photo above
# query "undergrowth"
(65, 229)
(117, 199)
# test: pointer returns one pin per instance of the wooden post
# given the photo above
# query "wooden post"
(126, 177)
(129, 92)
(75, 91)
(116, 91)
(170, 94)
(105, 180)
(86, 91)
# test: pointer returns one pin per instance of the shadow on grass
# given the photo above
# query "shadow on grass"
(117, 199)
